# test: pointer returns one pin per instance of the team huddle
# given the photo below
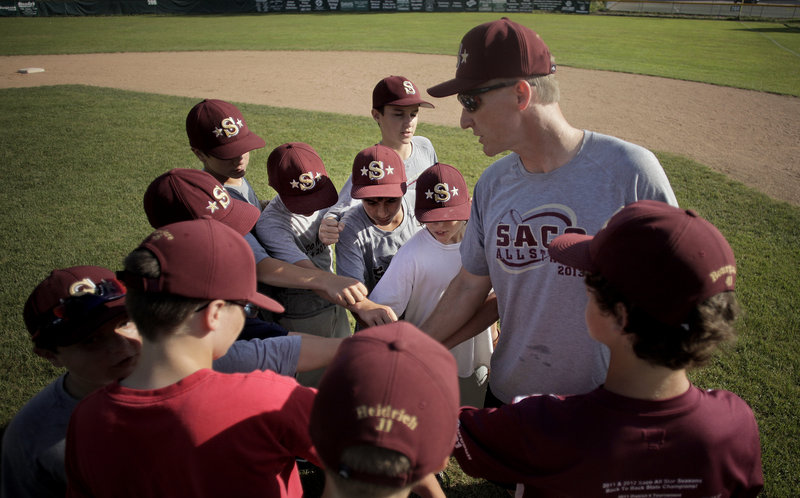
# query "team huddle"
(538, 328)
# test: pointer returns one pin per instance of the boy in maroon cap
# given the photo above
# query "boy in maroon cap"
(396, 101)
(384, 419)
(222, 141)
(375, 230)
(174, 427)
(77, 321)
(660, 282)
(425, 265)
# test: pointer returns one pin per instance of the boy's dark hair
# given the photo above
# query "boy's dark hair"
(688, 345)
(373, 460)
(155, 313)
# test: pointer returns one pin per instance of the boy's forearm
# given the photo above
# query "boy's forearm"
(467, 292)
(336, 289)
(316, 352)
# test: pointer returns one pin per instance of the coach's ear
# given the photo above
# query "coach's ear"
(525, 94)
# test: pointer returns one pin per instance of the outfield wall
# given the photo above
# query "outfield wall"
(763, 10)
(128, 7)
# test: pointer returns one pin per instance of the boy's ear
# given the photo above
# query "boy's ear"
(375, 114)
(200, 154)
(211, 317)
(621, 314)
(48, 355)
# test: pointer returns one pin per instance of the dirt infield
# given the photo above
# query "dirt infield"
(753, 137)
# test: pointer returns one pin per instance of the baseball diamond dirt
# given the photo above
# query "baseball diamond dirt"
(750, 136)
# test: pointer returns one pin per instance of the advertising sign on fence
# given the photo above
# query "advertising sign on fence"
(131, 7)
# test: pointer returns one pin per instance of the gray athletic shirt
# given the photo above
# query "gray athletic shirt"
(33, 443)
(544, 345)
(364, 251)
(291, 238)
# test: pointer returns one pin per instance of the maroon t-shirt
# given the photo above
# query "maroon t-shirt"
(699, 444)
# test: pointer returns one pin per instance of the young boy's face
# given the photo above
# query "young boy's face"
(107, 355)
(385, 212)
(227, 168)
(447, 232)
(397, 123)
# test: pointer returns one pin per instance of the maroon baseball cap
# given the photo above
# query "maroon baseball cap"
(378, 172)
(183, 194)
(497, 49)
(397, 90)
(57, 313)
(297, 173)
(202, 259)
(392, 387)
(219, 129)
(442, 195)
(665, 259)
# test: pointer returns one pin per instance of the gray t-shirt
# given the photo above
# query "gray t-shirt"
(422, 157)
(544, 345)
(34, 441)
(364, 251)
(291, 238)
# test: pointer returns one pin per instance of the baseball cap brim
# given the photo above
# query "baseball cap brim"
(411, 100)
(454, 86)
(573, 249)
(238, 148)
(385, 190)
(266, 303)
(307, 203)
(242, 217)
(453, 213)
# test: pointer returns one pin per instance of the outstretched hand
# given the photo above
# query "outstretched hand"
(344, 291)
(329, 231)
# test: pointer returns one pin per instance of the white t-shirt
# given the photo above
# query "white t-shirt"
(415, 281)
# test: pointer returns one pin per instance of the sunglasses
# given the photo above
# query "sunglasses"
(74, 311)
(472, 101)
(250, 309)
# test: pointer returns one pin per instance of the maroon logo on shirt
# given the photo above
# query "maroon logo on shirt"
(521, 240)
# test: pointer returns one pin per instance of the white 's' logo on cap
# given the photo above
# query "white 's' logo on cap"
(409, 88)
(229, 127)
(441, 193)
(221, 196)
(307, 181)
(376, 170)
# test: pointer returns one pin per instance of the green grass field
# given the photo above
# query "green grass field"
(76, 161)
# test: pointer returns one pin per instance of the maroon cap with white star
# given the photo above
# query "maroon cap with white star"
(494, 50)
(185, 194)
(378, 172)
(219, 129)
(442, 195)
(298, 174)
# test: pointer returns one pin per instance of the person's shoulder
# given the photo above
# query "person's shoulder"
(609, 143)
(419, 140)
(43, 408)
